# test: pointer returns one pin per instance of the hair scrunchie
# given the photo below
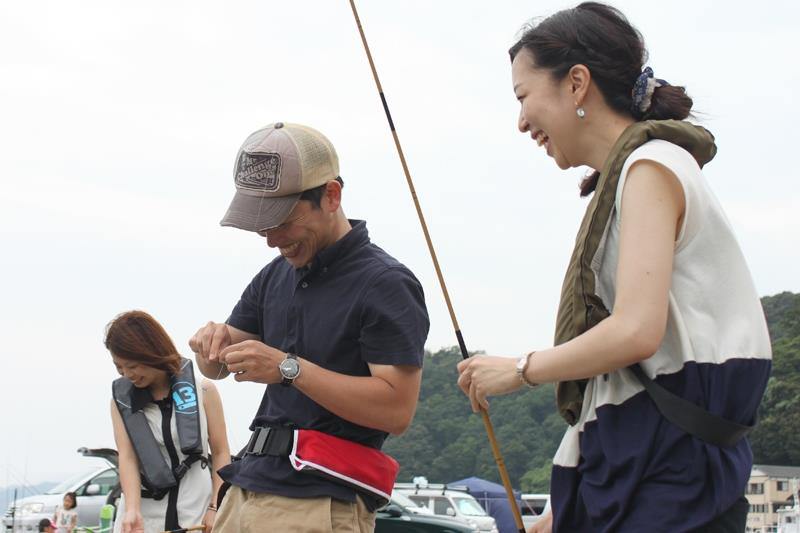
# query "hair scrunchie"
(642, 92)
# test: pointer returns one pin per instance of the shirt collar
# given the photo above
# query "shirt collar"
(357, 237)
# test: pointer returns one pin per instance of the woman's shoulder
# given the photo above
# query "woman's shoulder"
(661, 151)
(674, 158)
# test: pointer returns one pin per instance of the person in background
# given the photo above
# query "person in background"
(164, 424)
(46, 525)
(66, 517)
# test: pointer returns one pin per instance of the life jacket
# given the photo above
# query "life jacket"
(157, 476)
(581, 308)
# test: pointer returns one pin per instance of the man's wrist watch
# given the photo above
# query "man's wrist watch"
(522, 367)
(289, 369)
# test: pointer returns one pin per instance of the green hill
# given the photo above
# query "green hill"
(776, 439)
(447, 442)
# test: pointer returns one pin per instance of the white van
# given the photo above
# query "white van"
(447, 501)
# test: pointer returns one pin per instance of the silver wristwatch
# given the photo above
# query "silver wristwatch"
(289, 369)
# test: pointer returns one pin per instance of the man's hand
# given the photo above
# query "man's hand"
(209, 340)
(253, 361)
(206, 344)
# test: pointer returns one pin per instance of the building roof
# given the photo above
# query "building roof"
(775, 471)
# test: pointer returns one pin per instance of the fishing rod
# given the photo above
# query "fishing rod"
(501, 467)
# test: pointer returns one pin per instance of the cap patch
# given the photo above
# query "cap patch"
(259, 171)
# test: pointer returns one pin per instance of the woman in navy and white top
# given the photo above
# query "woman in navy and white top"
(682, 301)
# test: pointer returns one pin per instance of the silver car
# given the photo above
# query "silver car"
(92, 487)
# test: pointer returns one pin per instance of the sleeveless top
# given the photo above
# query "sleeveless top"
(195, 490)
(65, 519)
(622, 466)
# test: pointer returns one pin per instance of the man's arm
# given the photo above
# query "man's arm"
(209, 341)
(386, 400)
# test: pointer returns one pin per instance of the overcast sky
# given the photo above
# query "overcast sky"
(120, 122)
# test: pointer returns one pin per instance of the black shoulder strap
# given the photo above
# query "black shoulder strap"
(690, 417)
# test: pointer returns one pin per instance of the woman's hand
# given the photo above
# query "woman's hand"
(133, 522)
(481, 376)
(543, 525)
(208, 520)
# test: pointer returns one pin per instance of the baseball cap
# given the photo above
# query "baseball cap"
(273, 167)
(45, 523)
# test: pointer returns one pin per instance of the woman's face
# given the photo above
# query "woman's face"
(140, 374)
(547, 111)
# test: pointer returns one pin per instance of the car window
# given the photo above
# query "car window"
(534, 507)
(404, 501)
(469, 507)
(441, 505)
(422, 501)
(106, 480)
(64, 486)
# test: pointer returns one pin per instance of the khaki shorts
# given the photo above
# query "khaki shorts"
(243, 511)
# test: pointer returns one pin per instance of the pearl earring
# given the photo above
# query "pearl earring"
(580, 112)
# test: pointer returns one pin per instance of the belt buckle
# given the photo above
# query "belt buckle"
(258, 441)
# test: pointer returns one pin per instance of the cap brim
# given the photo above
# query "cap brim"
(256, 213)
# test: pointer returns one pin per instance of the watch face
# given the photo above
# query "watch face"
(289, 368)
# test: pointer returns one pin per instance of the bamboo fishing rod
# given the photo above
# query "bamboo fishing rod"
(501, 467)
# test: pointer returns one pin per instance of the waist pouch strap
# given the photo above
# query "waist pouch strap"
(276, 442)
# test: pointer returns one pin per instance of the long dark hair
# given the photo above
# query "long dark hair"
(137, 336)
(601, 38)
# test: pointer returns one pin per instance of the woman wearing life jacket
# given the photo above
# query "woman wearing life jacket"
(164, 425)
(657, 294)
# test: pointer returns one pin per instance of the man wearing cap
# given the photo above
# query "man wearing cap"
(335, 327)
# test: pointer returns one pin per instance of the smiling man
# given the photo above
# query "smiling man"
(335, 327)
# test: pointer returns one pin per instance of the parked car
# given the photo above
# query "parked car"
(456, 504)
(533, 507)
(91, 486)
(402, 515)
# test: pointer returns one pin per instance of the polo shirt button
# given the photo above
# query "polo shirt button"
(304, 284)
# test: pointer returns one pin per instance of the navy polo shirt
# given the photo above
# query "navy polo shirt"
(354, 304)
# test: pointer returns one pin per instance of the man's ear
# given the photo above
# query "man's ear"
(579, 78)
(332, 198)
